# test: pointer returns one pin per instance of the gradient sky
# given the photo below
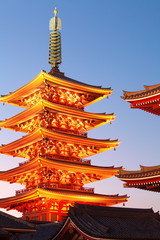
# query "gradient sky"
(112, 43)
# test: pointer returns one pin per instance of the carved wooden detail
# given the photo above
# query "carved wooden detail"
(52, 147)
(52, 178)
(43, 204)
(62, 122)
(58, 95)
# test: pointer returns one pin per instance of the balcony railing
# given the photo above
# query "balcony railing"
(22, 163)
(69, 159)
(84, 134)
(21, 191)
(56, 186)
(85, 161)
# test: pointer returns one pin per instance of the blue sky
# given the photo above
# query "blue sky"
(113, 43)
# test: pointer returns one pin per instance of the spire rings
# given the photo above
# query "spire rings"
(55, 48)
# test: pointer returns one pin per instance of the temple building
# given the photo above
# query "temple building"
(56, 144)
(147, 178)
(87, 222)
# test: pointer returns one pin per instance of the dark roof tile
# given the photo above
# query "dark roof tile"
(113, 222)
(8, 221)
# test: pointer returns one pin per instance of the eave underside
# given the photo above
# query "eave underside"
(63, 111)
(31, 166)
(149, 185)
(61, 195)
(85, 146)
(59, 81)
(148, 178)
(154, 109)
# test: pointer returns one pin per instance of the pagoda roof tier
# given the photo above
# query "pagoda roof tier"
(67, 113)
(147, 178)
(70, 196)
(147, 99)
(58, 81)
(43, 141)
(30, 168)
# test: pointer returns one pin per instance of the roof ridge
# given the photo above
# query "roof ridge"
(112, 208)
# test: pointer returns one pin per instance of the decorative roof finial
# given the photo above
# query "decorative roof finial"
(55, 11)
(55, 42)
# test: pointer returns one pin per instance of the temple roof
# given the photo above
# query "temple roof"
(143, 169)
(30, 166)
(13, 224)
(147, 178)
(42, 133)
(59, 194)
(58, 80)
(45, 231)
(45, 105)
(96, 222)
(10, 225)
(147, 99)
(148, 91)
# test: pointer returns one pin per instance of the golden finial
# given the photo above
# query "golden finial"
(55, 41)
(55, 11)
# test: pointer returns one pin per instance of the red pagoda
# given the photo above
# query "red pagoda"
(56, 142)
(147, 178)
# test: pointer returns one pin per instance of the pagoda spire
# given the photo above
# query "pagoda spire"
(55, 43)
